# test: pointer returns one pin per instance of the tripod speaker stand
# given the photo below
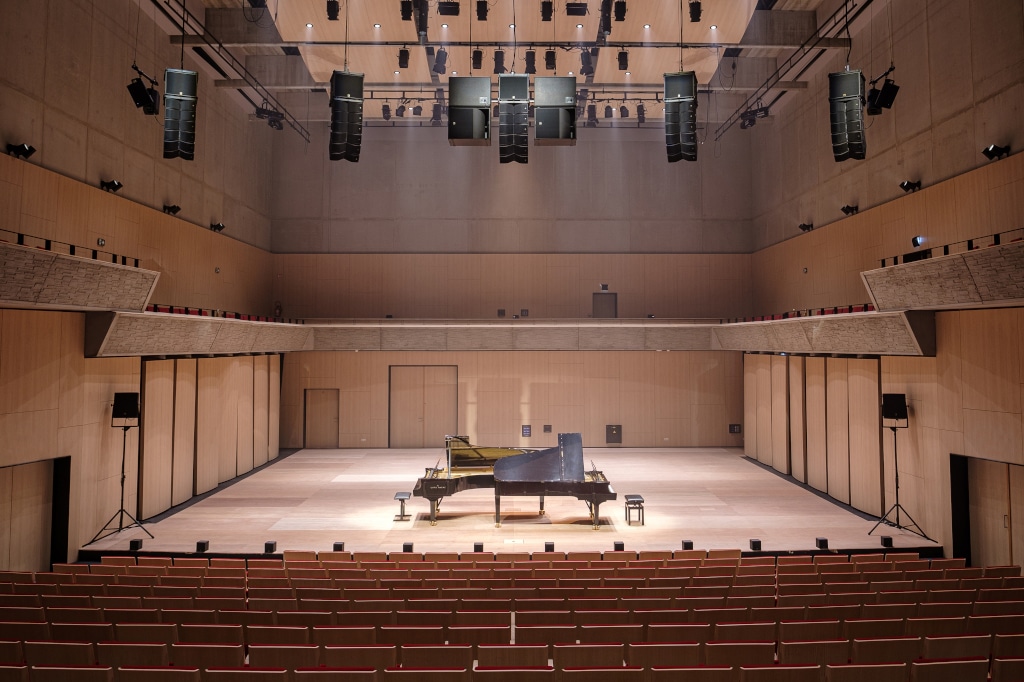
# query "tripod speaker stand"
(894, 410)
(126, 410)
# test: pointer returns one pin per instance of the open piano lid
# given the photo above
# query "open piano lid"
(562, 463)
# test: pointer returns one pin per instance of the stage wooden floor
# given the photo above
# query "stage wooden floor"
(312, 498)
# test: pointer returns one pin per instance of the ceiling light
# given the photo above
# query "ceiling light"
(385, 111)
(481, 10)
(579, 25)
(714, 27)
(511, 25)
(110, 185)
(272, 116)
(455, 73)
(332, 10)
(444, 25)
(917, 241)
(647, 26)
(908, 186)
(397, 72)
(623, 60)
(994, 151)
(440, 61)
(217, 227)
(546, 10)
(575, 9)
(309, 24)
(849, 210)
(549, 60)
(21, 151)
(619, 8)
(448, 8)
(376, 25)
(695, 11)
(629, 73)
(569, 74)
(171, 209)
(806, 227)
(400, 111)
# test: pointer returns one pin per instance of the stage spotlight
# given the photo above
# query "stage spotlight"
(478, 546)
(400, 111)
(549, 547)
(270, 546)
(406, 546)
(385, 111)
(806, 227)
(481, 10)
(620, 10)
(623, 60)
(202, 546)
(695, 11)
(994, 151)
(110, 185)
(747, 123)
(171, 209)
(623, 111)
(406, 9)
(435, 117)
(440, 61)
(887, 541)
(332, 10)
(496, 111)
(21, 151)
(591, 115)
(273, 117)
(755, 545)
(586, 63)
(499, 61)
(135, 545)
(546, 10)
(339, 546)
(608, 111)
(687, 544)
(478, 59)
(575, 9)
(417, 110)
(144, 98)
(448, 8)
(821, 543)
(883, 98)
(641, 113)
(917, 241)
(217, 227)
(531, 62)
(908, 186)
(549, 60)
(619, 545)
(849, 210)
(403, 58)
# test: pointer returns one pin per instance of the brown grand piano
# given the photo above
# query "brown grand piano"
(517, 472)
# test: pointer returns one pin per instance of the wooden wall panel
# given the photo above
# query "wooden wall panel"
(440, 401)
(30, 379)
(988, 489)
(184, 430)
(273, 407)
(31, 505)
(260, 407)
(1016, 514)
(157, 429)
(780, 413)
(227, 370)
(817, 445)
(865, 436)
(837, 417)
(6, 514)
(797, 420)
(209, 396)
(245, 419)
(764, 409)
(750, 406)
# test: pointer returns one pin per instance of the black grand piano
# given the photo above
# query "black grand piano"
(518, 472)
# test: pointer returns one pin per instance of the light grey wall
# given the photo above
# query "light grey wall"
(410, 192)
(65, 68)
(959, 68)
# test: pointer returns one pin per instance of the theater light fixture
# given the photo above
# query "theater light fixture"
(21, 151)
(448, 8)
(575, 9)
(400, 111)
(994, 151)
(385, 111)
(623, 60)
(908, 186)
(549, 60)
(806, 227)
(333, 6)
(273, 117)
(641, 113)
(435, 117)
(546, 10)
(591, 115)
(586, 63)
(499, 61)
(917, 241)
(440, 61)
(217, 227)
(623, 111)
(405, 7)
(478, 59)
(417, 110)
(531, 62)
(171, 209)
(749, 117)
(608, 111)
(695, 11)
(403, 58)
(849, 210)
(619, 8)
(110, 185)
(481, 10)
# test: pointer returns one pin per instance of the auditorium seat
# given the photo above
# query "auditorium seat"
(885, 650)
(512, 655)
(157, 674)
(435, 655)
(59, 653)
(859, 672)
(72, 673)
(1005, 669)
(739, 653)
(338, 635)
(704, 673)
(245, 674)
(781, 673)
(118, 654)
(14, 673)
(446, 674)
(950, 670)
(288, 656)
(820, 652)
(567, 655)
(204, 655)
(544, 673)
(602, 674)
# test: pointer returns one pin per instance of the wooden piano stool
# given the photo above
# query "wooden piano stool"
(402, 498)
(634, 502)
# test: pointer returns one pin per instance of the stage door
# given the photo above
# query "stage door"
(321, 418)
(423, 405)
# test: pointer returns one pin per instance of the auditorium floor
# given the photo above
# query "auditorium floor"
(312, 498)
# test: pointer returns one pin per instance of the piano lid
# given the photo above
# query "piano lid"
(562, 463)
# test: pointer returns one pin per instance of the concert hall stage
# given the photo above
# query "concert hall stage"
(312, 498)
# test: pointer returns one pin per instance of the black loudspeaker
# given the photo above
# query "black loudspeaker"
(555, 115)
(513, 132)
(339, 546)
(894, 406)
(180, 88)
(144, 98)
(346, 116)
(619, 546)
(406, 546)
(469, 111)
(887, 541)
(126, 406)
(270, 546)
(513, 87)
(883, 98)
(478, 546)
(821, 543)
(135, 545)
(755, 545)
(202, 546)
(687, 544)
(469, 91)
(681, 116)
(846, 115)
(549, 547)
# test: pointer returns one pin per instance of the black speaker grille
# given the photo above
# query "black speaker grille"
(846, 115)
(681, 130)
(513, 132)
(894, 406)
(180, 114)
(126, 406)
(346, 130)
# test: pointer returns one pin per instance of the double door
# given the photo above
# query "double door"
(423, 405)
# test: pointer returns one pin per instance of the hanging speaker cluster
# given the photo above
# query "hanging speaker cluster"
(681, 116)
(513, 115)
(180, 88)
(469, 110)
(555, 115)
(846, 115)
(346, 116)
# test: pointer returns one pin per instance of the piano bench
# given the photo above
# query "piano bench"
(634, 502)
(402, 498)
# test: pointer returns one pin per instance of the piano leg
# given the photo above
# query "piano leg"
(596, 508)
(542, 505)
(433, 511)
(497, 511)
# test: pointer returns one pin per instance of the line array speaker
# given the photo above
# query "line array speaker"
(180, 88)
(513, 132)
(846, 115)
(346, 116)
(681, 116)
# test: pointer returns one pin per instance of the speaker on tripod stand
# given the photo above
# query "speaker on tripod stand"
(894, 411)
